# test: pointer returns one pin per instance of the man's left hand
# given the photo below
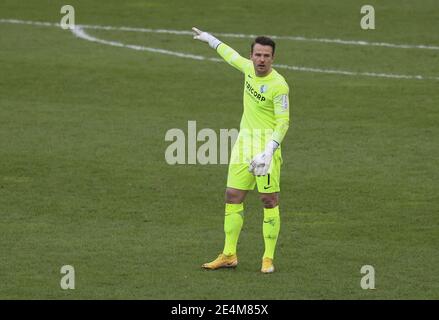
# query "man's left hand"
(261, 162)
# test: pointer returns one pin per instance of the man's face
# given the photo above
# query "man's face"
(262, 57)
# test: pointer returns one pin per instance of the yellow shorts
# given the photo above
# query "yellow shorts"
(240, 178)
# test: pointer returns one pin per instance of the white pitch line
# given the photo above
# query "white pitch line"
(252, 36)
(237, 35)
(79, 32)
(33, 23)
(338, 41)
(353, 73)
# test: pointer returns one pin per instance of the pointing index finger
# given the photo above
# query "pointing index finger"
(196, 30)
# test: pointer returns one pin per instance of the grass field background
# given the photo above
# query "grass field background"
(84, 182)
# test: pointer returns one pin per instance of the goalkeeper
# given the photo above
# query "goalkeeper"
(256, 156)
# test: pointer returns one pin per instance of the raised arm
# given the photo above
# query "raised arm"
(227, 53)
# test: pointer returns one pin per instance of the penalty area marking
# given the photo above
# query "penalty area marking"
(79, 32)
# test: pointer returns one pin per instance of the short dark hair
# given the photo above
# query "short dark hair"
(265, 41)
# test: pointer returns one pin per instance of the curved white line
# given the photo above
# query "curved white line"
(80, 33)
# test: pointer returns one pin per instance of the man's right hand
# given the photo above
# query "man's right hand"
(206, 37)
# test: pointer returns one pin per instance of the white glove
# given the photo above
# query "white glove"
(206, 37)
(261, 162)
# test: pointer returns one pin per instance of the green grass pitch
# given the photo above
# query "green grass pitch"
(84, 182)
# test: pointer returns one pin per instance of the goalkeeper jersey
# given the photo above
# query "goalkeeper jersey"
(266, 107)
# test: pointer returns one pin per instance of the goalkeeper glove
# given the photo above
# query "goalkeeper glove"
(261, 162)
(206, 37)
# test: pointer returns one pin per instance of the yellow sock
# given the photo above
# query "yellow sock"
(233, 221)
(270, 230)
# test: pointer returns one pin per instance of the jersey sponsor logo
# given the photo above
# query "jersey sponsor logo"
(253, 92)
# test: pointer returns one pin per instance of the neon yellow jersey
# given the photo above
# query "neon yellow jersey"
(266, 103)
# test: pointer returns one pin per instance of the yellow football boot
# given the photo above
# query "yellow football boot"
(222, 261)
(267, 265)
